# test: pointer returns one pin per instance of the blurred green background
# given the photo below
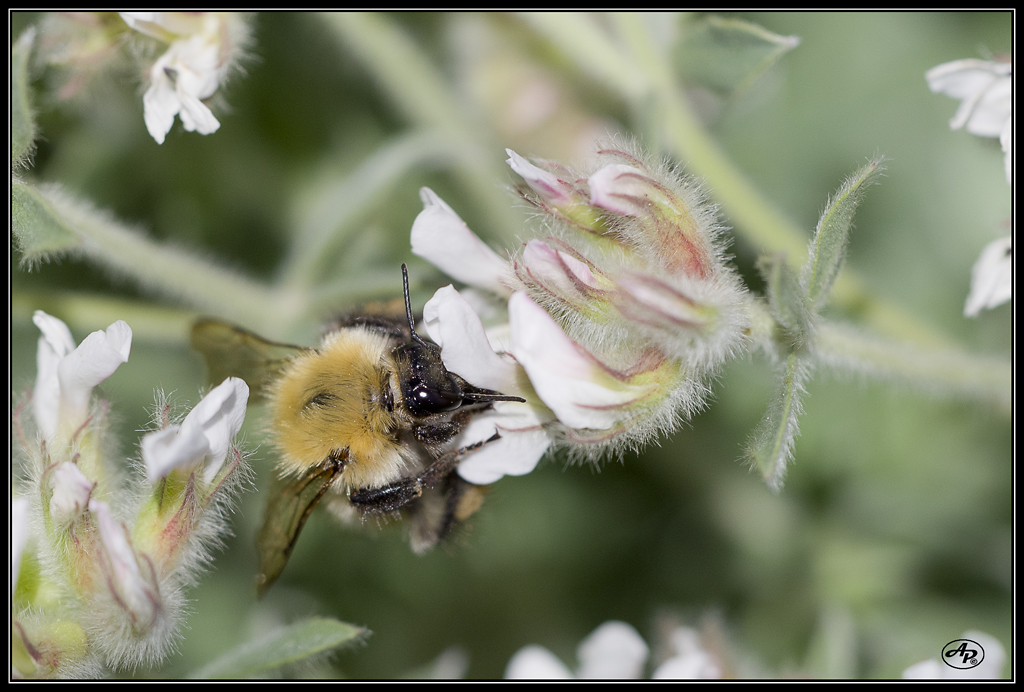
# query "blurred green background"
(892, 535)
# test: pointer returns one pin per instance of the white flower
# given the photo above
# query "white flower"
(191, 70)
(466, 350)
(583, 392)
(991, 277)
(690, 661)
(614, 651)
(19, 536)
(71, 491)
(133, 591)
(985, 90)
(443, 239)
(66, 375)
(203, 439)
(990, 668)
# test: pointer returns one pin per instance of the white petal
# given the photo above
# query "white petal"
(19, 536)
(983, 88)
(125, 577)
(991, 277)
(196, 117)
(522, 443)
(167, 449)
(454, 326)
(160, 104)
(991, 668)
(536, 663)
(149, 23)
(568, 380)
(614, 651)
(71, 490)
(55, 332)
(95, 359)
(544, 183)
(55, 343)
(925, 670)
(218, 417)
(443, 239)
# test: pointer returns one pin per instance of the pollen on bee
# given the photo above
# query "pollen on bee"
(333, 399)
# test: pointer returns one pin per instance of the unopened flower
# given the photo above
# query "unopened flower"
(203, 46)
(614, 651)
(133, 585)
(545, 183)
(993, 657)
(66, 375)
(71, 491)
(991, 277)
(203, 439)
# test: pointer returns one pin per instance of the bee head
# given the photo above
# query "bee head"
(427, 386)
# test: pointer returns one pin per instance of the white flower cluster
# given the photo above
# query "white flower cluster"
(616, 651)
(985, 90)
(614, 319)
(203, 48)
(120, 582)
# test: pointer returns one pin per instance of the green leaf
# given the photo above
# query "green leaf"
(786, 298)
(727, 55)
(41, 232)
(290, 644)
(23, 126)
(771, 446)
(828, 246)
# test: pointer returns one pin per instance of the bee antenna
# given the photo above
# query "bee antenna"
(408, 306)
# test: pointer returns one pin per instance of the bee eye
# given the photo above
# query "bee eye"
(423, 399)
(427, 387)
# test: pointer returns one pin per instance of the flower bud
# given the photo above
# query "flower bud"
(71, 491)
(662, 226)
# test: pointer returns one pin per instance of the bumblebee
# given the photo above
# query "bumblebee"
(364, 419)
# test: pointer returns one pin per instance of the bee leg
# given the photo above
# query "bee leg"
(394, 496)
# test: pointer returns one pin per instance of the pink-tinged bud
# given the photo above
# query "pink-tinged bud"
(661, 225)
(131, 583)
(650, 301)
(71, 491)
(553, 267)
(551, 188)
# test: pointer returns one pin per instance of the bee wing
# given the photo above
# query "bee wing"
(233, 351)
(292, 500)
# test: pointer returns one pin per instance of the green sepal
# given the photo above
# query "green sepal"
(786, 299)
(770, 447)
(825, 256)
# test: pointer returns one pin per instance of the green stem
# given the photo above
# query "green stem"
(329, 220)
(407, 75)
(167, 269)
(943, 371)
